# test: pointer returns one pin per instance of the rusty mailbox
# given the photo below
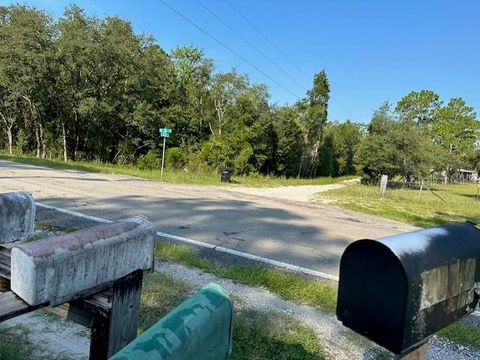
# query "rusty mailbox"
(399, 290)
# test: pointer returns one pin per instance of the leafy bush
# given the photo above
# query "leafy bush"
(175, 158)
(148, 161)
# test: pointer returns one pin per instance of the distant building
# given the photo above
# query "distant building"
(467, 175)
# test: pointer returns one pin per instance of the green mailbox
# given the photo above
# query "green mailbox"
(198, 329)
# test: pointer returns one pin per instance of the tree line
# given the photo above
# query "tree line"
(83, 88)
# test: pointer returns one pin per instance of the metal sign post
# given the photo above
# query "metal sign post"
(164, 132)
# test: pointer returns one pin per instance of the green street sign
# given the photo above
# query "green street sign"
(166, 132)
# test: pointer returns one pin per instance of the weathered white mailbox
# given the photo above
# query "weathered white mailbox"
(17, 216)
(66, 267)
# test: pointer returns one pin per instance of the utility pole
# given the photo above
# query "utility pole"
(164, 132)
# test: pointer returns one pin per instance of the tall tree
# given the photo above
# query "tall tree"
(314, 109)
(193, 73)
(76, 67)
(347, 136)
(290, 144)
(226, 88)
(414, 151)
(377, 154)
(25, 47)
(456, 129)
(419, 106)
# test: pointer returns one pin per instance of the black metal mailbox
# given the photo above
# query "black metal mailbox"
(399, 290)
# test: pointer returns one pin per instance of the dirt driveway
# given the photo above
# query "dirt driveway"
(302, 193)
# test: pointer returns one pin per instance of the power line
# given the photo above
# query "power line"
(267, 39)
(228, 48)
(250, 44)
(280, 50)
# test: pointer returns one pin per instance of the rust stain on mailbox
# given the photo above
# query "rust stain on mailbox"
(448, 282)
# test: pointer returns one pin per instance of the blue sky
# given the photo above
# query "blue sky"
(373, 51)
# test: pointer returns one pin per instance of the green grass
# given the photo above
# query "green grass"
(171, 176)
(445, 204)
(462, 333)
(46, 228)
(160, 294)
(286, 285)
(48, 225)
(256, 336)
(260, 336)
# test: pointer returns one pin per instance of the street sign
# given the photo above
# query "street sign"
(165, 132)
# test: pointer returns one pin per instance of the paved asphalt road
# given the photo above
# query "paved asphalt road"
(304, 234)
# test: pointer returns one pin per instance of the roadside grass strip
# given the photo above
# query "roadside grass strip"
(447, 203)
(287, 286)
(462, 333)
(172, 175)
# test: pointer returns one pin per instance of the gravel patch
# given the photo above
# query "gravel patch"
(52, 337)
(441, 349)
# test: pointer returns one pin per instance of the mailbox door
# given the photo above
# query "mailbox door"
(372, 293)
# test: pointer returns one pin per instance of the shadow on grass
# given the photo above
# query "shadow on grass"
(273, 336)
(455, 218)
(471, 196)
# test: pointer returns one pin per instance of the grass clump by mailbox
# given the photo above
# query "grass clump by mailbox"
(273, 336)
(171, 175)
(445, 204)
(160, 295)
(462, 333)
(286, 285)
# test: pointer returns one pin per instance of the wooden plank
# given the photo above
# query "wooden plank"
(5, 262)
(4, 284)
(11, 306)
(112, 332)
(125, 312)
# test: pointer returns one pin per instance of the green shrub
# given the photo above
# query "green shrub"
(148, 161)
(175, 158)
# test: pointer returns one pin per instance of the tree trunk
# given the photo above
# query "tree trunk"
(300, 167)
(42, 141)
(10, 140)
(9, 126)
(37, 141)
(77, 140)
(64, 138)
